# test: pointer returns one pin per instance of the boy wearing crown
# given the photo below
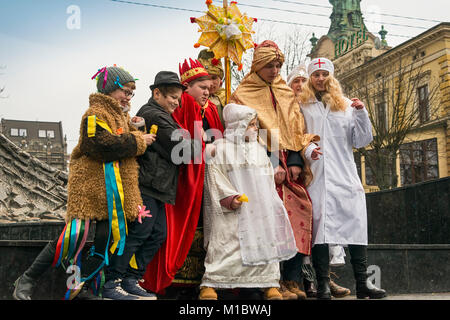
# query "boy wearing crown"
(199, 117)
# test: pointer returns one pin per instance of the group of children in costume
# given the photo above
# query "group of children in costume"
(187, 158)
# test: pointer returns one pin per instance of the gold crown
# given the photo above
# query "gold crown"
(192, 72)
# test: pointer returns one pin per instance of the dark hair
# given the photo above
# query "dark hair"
(167, 89)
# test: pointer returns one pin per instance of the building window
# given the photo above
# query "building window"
(42, 134)
(50, 134)
(382, 117)
(424, 110)
(419, 161)
(23, 132)
(14, 132)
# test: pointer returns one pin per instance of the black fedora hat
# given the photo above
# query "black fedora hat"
(166, 78)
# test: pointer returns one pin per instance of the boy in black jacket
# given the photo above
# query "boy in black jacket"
(158, 176)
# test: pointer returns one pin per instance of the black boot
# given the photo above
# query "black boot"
(25, 283)
(358, 254)
(321, 263)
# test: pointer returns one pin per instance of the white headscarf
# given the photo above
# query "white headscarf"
(299, 71)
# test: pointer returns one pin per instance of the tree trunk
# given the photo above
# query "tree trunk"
(383, 164)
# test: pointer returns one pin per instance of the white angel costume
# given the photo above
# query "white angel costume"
(244, 246)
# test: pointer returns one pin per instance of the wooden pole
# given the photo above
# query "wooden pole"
(227, 68)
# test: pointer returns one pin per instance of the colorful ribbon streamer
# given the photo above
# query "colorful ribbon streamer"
(71, 241)
(116, 214)
(104, 79)
(74, 235)
(117, 82)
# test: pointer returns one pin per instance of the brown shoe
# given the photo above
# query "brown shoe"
(272, 294)
(207, 293)
(293, 286)
(338, 291)
(286, 293)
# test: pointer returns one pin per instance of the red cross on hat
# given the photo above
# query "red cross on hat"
(319, 63)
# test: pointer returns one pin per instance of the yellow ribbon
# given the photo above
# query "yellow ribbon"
(92, 122)
(133, 262)
(67, 239)
(115, 222)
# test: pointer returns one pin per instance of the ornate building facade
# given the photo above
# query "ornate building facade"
(406, 90)
(43, 140)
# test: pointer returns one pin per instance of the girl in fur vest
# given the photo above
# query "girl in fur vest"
(102, 188)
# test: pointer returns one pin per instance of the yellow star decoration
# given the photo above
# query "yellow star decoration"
(227, 32)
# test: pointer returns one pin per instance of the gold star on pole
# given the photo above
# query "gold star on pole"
(227, 33)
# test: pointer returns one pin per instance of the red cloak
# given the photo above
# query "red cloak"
(182, 218)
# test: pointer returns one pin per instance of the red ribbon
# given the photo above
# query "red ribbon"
(105, 78)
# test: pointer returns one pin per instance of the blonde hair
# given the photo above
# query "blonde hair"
(131, 85)
(333, 94)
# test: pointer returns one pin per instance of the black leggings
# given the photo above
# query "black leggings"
(94, 261)
(100, 242)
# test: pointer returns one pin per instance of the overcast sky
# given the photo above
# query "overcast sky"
(47, 55)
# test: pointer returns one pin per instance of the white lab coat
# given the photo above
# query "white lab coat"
(338, 199)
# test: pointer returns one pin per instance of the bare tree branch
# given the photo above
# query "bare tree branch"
(392, 102)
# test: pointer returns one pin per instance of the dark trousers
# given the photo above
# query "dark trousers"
(292, 268)
(92, 263)
(143, 240)
(98, 250)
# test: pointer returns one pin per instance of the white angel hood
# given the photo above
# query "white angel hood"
(240, 167)
(237, 117)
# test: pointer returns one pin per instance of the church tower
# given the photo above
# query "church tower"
(346, 19)
(348, 43)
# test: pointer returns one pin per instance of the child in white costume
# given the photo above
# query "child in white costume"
(245, 241)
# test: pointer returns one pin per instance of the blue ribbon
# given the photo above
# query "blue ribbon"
(73, 239)
(67, 295)
(117, 82)
(113, 196)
